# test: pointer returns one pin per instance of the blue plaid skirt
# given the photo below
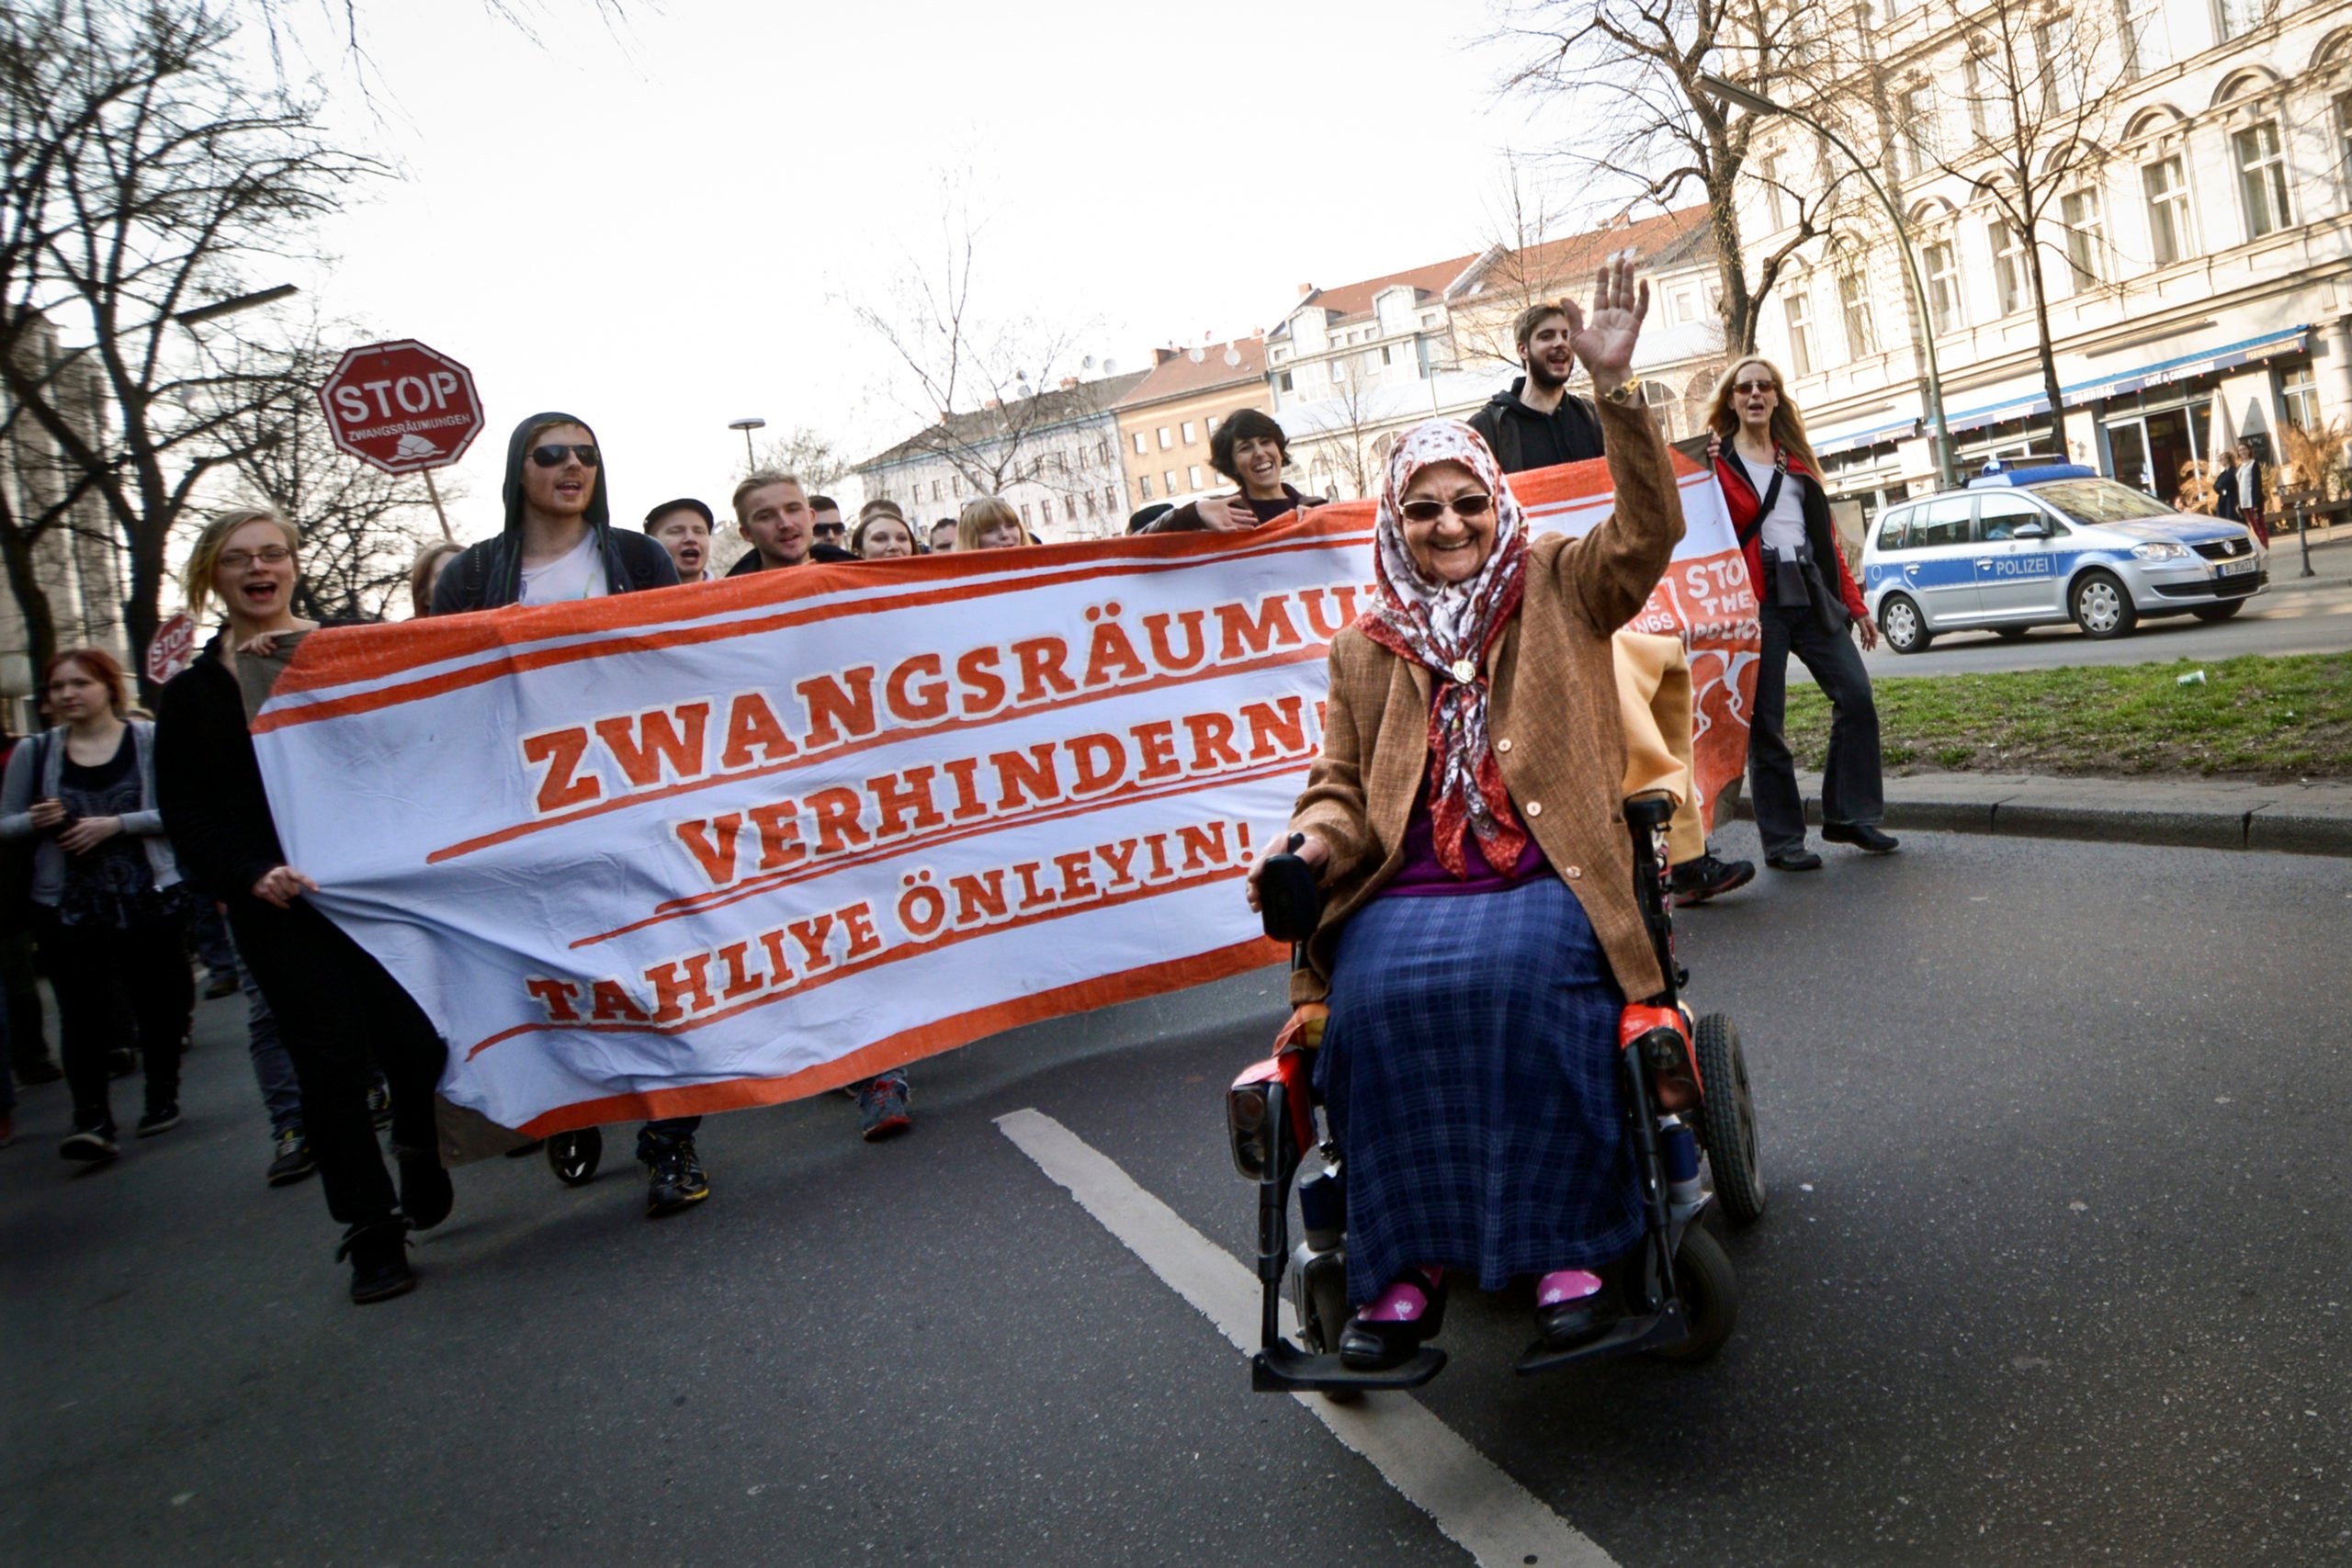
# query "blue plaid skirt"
(1469, 1070)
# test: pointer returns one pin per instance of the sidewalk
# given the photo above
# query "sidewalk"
(2220, 813)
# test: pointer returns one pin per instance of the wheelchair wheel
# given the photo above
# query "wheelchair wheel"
(573, 1157)
(1728, 1121)
(1710, 1293)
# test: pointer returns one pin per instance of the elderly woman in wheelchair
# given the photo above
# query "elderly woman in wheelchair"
(1481, 926)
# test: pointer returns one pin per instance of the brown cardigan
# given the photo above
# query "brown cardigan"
(1562, 750)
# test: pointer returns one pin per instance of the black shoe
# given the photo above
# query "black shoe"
(676, 1178)
(882, 1108)
(122, 1061)
(378, 1254)
(1569, 1324)
(1696, 881)
(427, 1195)
(380, 1105)
(93, 1144)
(1862, 835)
(1794, 860)
(39, 1072)
(1376, 1347)
(223, 985)
(162, 1119)
(294, 1159)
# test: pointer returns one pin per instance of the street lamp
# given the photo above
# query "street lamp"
(747, 426)
(1931, 396)
(235, 303)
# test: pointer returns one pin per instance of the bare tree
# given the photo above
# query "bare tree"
(145, 176)
(2037, 84)
(1346, 438)
(811, 457)
(1645, 133)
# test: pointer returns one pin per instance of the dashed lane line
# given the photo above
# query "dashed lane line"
(1477, 1506)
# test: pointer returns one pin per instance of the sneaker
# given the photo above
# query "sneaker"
(1696, 881)
(380, 1105)
(93, 1145)
(675, 1179)
(882, 1107)
(379, 1255)
(162, 1119)
(122, 1061)
(426, 1196)
(221, 985)
(294, 1159)
(39, 1072)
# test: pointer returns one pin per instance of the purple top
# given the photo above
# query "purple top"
(1423, 875)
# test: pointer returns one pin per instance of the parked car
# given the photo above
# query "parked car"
(2034, 545)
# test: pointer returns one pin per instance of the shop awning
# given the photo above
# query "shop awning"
(2117, 383)
(1901, 430)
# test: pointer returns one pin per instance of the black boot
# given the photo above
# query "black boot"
(378, 1254)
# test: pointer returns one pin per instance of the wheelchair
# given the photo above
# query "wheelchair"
(1681, 1296)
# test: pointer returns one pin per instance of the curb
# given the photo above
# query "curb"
(2278, 819)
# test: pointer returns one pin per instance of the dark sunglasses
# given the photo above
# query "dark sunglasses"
(1431, 511)
(552, 455)
(1744, 388)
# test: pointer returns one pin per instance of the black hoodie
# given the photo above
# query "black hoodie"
(491, 574)
(1523, 438)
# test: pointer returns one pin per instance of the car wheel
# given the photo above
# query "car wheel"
(1904, 628)
(2220, 612)
(2102, 606)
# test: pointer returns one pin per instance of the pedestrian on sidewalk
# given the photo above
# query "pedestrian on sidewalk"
(1808, 603)
(29, 1060)
(109, 913)
(337, 1009)
(2237, 492)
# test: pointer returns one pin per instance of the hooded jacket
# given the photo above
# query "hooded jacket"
(487, 575)
(1504, 421)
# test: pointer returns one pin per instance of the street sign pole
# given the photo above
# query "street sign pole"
(438, 510)
(406, 409)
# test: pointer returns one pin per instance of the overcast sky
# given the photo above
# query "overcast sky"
(666, 224)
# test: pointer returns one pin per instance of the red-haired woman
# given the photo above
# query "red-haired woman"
(109, 911)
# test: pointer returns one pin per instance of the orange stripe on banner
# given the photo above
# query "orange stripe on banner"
(638, 623)
(1126, 795)
(909, 1045)
(1309, 654)
(896, 954)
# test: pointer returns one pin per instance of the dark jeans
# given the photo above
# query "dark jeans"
(211, 930)
(1852, 789)
(664, 1134)
(337, 1013)
(281, 1091)
(27, 1033)
(94, 970)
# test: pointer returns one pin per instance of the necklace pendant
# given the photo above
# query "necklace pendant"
(1464, 671)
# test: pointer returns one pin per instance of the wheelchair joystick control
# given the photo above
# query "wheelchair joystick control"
(1287, 898)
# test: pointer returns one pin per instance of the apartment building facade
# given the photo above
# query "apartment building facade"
(1166, 423)
(2197, 249)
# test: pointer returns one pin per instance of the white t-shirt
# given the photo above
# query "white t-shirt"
(578, 575)
(1783, 529)
(2247, 500)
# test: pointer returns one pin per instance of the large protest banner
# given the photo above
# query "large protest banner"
(725, 845)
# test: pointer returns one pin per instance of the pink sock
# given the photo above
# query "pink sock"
(1403, 1302)
(1566, 1285)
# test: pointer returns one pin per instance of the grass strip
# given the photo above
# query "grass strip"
(2256, 717)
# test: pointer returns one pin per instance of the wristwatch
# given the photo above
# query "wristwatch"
(1627, 394)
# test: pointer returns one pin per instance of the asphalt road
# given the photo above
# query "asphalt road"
(2293, 615)
(2053, 1274)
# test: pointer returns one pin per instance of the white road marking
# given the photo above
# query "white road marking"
(1477, 1506)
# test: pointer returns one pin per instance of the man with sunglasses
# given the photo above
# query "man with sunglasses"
(825, 524)
(560, 545)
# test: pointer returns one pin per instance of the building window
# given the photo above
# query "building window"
(2299, 400)
(2262, 178)
(2056, 67)
(1990, 111)
(2169, 235)
(2008, 268)
(1025, 514)
(1210, 428)
(2085, 236)
(938, 489)
(1775, 195)
(1070, 507)
(2147, 42)
(1102, 451)
(1189, 436)
(2344, 138)
(1921, 146)
(1854, 301)
(1109, 498)
(1091, 509)
(1140, 445)
(2243, 15)
(1164, 442)
(1283, 381)
(1143, 487)
(1943, 287)
(1798, 310)
(1170, 477)
(1339, 371)
(1192, 475)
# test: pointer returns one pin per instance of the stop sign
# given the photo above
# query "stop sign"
(401, 406)
(173, 647)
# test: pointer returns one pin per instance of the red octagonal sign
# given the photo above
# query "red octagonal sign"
(401, 406)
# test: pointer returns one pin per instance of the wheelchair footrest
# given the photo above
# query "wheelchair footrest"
(1285, 1368)
(1627, 1337)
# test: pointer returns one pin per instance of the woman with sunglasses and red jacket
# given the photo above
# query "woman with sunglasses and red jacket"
(1806, 601)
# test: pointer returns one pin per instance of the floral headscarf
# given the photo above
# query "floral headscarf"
(1451, 627)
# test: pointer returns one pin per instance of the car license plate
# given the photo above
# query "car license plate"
(2236, 568)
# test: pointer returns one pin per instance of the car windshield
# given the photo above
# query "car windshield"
(2099, 500)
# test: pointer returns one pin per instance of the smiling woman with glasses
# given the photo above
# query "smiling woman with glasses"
(1480, 934)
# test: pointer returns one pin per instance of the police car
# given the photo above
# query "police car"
(2035, 543)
